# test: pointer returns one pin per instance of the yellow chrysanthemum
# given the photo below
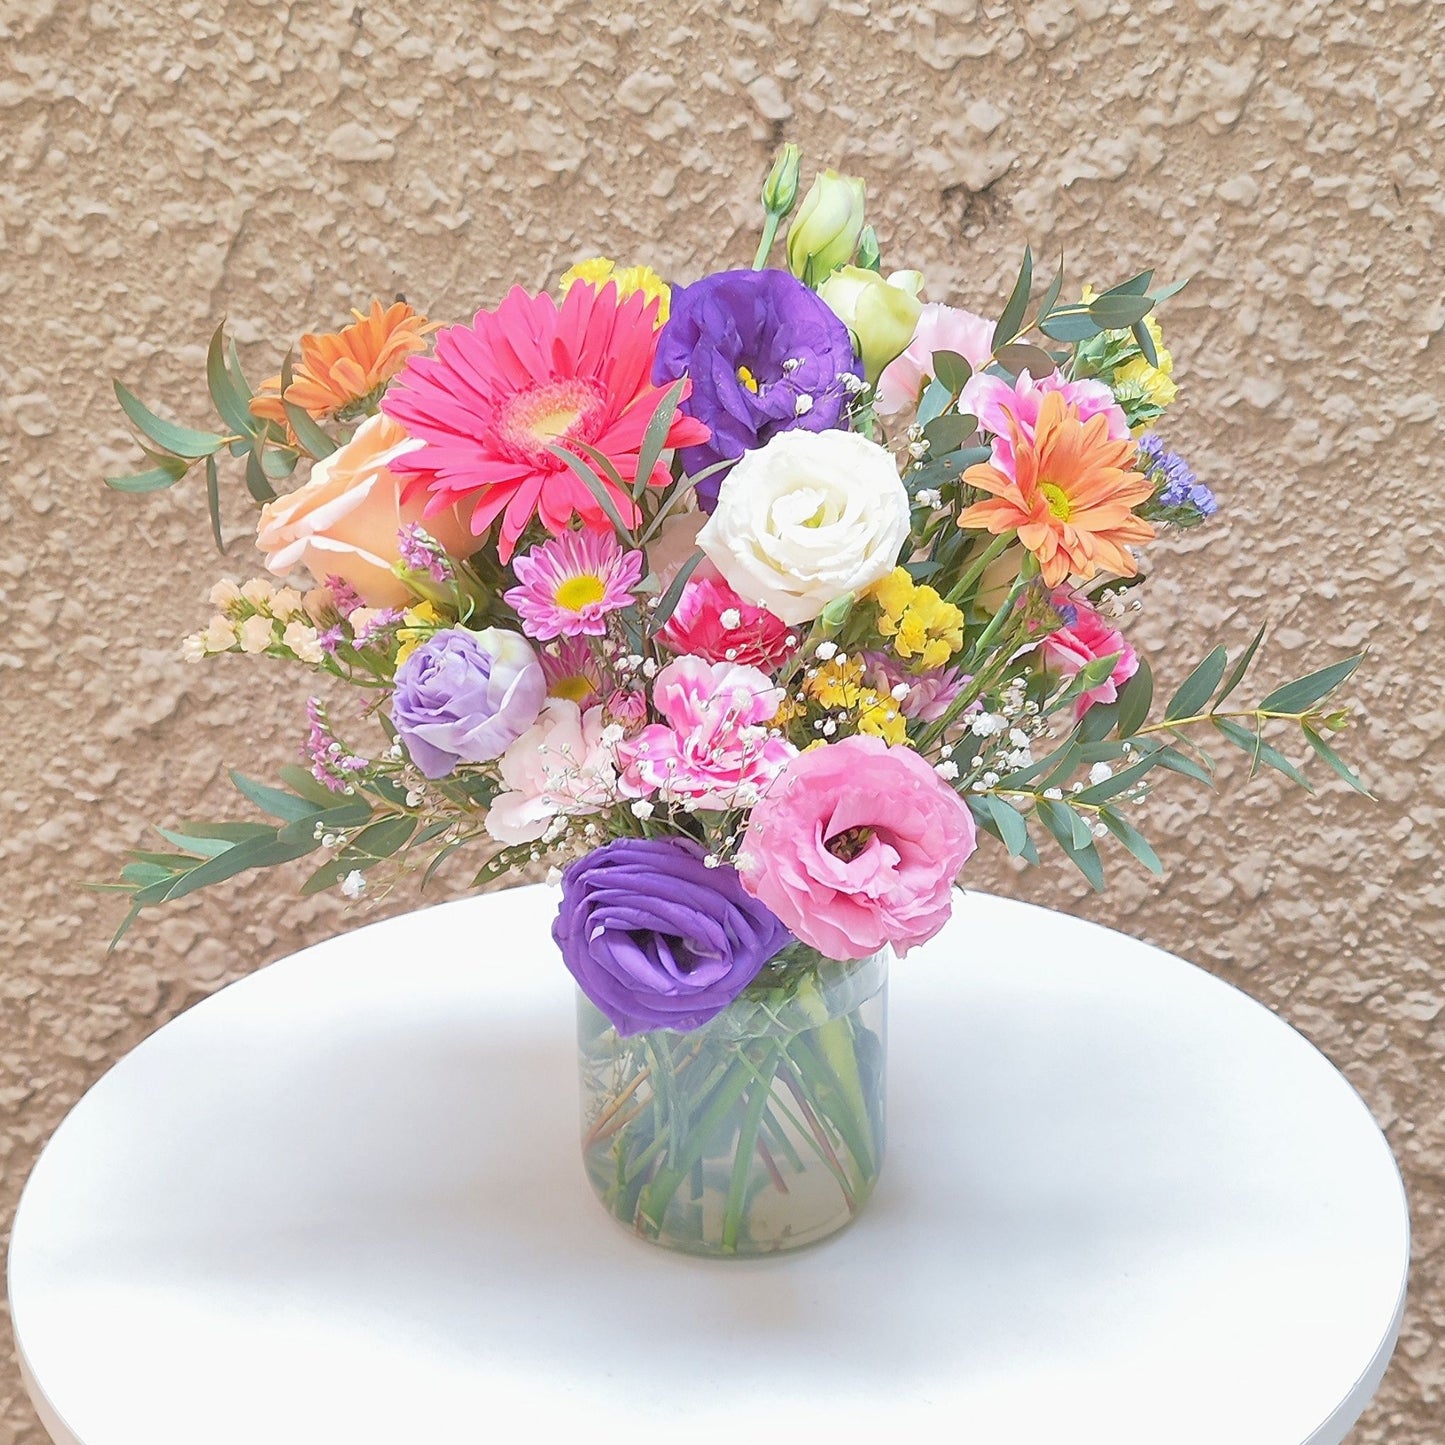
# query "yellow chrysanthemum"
(1156, 382)
(422, 620)
(880, 718)
(598, 271)
(925, 629)
(838, 683)
(893, 594)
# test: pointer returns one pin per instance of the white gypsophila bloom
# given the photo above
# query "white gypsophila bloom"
(805, 519)
(642, 809)
(353, 885)
(1100, 773)
(947, 770)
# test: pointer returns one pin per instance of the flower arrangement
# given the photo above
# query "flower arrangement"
(746, 605)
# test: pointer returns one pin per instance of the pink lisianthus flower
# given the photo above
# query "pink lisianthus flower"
(1001, 406)
(559, 767)
(855, 846)
(1084, 637)
(715, 748)
(568, 584)
(711, 621)
(940, 328)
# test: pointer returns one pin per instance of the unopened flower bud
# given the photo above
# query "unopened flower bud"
(825, 232)
(780, 190)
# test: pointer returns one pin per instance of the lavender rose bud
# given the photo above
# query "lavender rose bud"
(655, 938)
(466, 697)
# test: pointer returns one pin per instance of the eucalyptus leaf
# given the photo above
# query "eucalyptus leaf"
(257, 482)
(1196, 689)
(166, 473)
(1114, 312)
(596, 486)
(213, 503)
(1145, 342)
(275, 801)
(181, 441)
(1020, 357)
(1071, 324)
(655, 437)
(952, 370)
(1260, 751)
(229, 399)
(667, 603)
(1335, 761)
(948, 433)
(1135, 699)
(934, 402)
(1304, 692)
(1241, 666)
(1132, 839)
(1010, 323)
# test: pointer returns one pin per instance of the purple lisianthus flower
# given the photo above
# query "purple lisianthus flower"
(657, 939)
(764, 354)
(465, 697)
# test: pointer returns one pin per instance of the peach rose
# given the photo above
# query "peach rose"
(344, 521)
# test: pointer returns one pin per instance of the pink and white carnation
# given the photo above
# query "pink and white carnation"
(856, 846)
(940, 328)
(1000, 406)
(713, 622)
(715, 749)
(1085, 637)
(559, 767)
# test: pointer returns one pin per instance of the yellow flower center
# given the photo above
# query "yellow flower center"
(538, 416)
(1057, 501)
(747, 379)
(577, 592)
(573, 688)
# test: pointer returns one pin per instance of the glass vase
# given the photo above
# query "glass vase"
(759, 1132)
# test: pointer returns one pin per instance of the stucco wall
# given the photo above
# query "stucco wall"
(162, 164)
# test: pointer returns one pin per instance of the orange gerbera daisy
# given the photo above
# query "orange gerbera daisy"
(342, 369)
(1069, 494)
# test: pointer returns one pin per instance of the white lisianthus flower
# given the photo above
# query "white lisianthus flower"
(807, 518)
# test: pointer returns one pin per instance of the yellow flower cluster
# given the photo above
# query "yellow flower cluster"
(838, 686)
(1156, 382)
(600, 270)
(422, 620)
(924, 630)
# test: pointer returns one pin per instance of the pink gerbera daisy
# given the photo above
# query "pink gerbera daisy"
(572, 671)
(570, 583)
(530, 375)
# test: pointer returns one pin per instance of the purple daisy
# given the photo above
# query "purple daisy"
(764, 355)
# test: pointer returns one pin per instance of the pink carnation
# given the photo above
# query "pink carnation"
(1085, 636)
(713, 622)
(1001, 406)
(856, 846)
(715, 747)
(940, 328)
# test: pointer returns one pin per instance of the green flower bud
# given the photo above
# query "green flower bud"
(825, 232)
(869, 256)
(780, 190)
(882, 315)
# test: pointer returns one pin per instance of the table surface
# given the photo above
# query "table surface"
(342, 1200)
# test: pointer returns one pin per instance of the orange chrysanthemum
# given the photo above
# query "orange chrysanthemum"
(339, 369)
(1069, 495)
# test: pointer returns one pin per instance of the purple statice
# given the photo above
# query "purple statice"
(1179, 497)
(331, 641)
(764, 355)
(332, 763)
(375, 624)
(344, 595)
(421, 552)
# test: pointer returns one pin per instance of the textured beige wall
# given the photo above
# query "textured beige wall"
(162, 163)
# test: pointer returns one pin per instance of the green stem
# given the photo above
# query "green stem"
(770, 234)
(969, 580)
(743, 1159)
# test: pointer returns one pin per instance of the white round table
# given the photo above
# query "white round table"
(342, 1201)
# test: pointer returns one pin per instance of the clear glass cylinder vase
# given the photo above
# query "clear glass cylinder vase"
(759, 1132)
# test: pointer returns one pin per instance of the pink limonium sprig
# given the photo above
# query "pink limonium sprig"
(421, 553)
(568, 585)
(333, 764)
